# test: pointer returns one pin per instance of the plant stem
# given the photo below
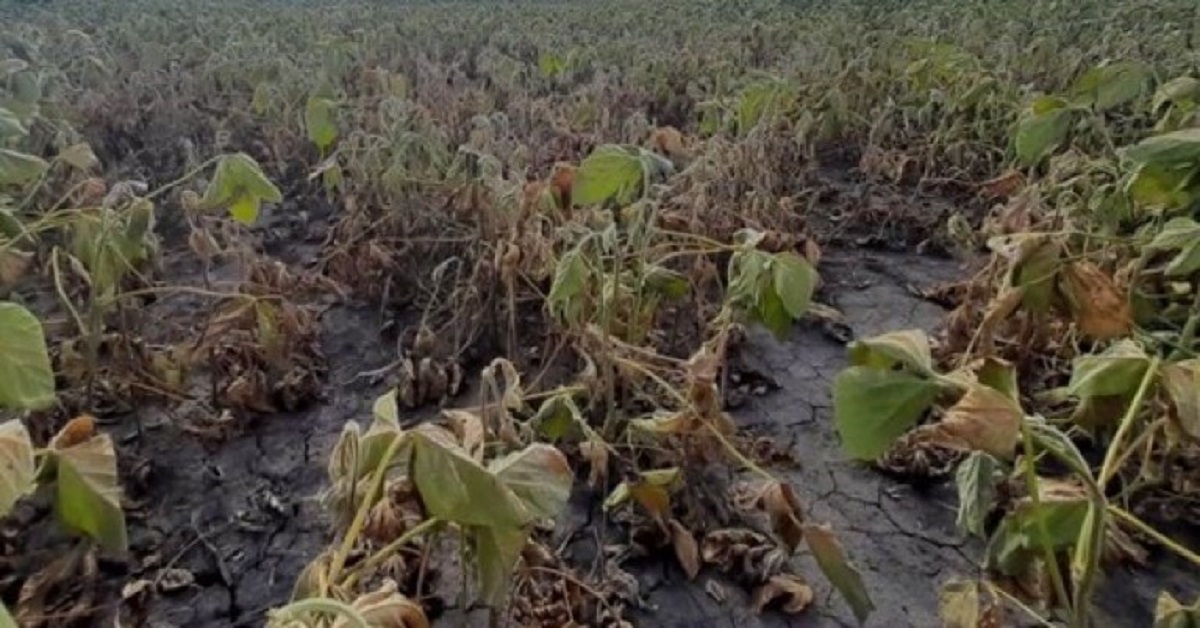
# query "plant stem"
(382, 554)
(1162, 539)
(1109, 467)
(1031, 484)
(322, 605)
(360, 516)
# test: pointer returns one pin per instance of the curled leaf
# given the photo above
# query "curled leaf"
(984, 419)
(794, 594)
(1102, 311)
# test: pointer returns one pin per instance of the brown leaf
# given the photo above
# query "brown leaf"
(1102, 310)
(668, 141)
(1004, 185)
(13, 265)
(780, 502)
(76, 431)
(1182, 383)
(812, 252)
(794, 593)
(655, 499)
(984, 419)
(686, 549)
(998, 311)
(468, 427)
(562, 180)
(596, 454)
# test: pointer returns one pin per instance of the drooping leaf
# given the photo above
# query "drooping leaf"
(1039, 134)
(1176, 147)
(1116, 371)
(6, 618)
(1036, 272)
(790, 590)
(666, 282)
(88, 500)
(454, 487)
(1182, 383)
(1110, 86)
(557, 417)
(873, 407)
(976, 479)
(832, 560)
(1170, 613)
(244, 209)
(16, 464)
(909, 348)
(1161, 186)
(1102, 310)
(772, 312)
(497, 550)
(240, 185)
(687, 551)
(539, 476)
(80, 157)
(26, 376)
(320, 121)
(1183, 235)
(1176, 91)
(570, 278)
(1000, 375)
(794, 280)
(19, 168)
(1061, 513)
(610, 172)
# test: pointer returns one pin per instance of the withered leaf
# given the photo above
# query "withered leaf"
(794, 593)
(1005, 185)
(1101, 310)
(686, 549)
(984, 419)
(832, 560)
(780, 502)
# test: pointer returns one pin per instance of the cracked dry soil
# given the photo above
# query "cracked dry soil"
(242, 516)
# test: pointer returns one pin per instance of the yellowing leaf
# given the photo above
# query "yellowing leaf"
(320, 122)
(26, 377)
(89, 492)
(539, 476)
(610, 172)
(831, 558)
(984, 419)
(244, 209)
(80, 157)
(240, 185)
(909, 348)
(16, 464)
(958, 604)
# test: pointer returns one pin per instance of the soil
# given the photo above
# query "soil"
(242, 518)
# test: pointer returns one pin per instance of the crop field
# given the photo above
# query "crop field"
(677, 313)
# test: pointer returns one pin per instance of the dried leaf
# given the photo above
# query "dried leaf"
(794, 593)
(1004, 185)
(833, 562)
(779, 501)
(984, 419)
(686, 549)
(959, 604)
(1102, 311)
(75, 432)
(16, 464)
(468, 427)
(1182, 383)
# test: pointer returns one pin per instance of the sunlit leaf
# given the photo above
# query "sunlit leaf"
(873, 407)
(240, 185)
(89, 492)
(832, 560)
(16, 464)
(26, 376)
(19, 168)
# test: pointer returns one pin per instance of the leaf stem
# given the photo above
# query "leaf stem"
(1112, 455)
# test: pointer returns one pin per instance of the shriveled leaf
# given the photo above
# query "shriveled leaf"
(976, 479)
(468, 427)
(984, 419)
(26, 376)
(1000, 375)
(958, 604)
(539, 476)
(873, 407)
(1102, 311)
(667, 423)
(1035, 273)
(1039, 134)
(832, 560)
(909, 348)
(794, 280)
(16, 464)
(687, 552)
(1182, 383)
(19, 168)
(1167, 148)
(1116, 371)
(497, 550)
(610, 172)
(783, 507)
(791, 591)
(80, 157)
(88, 500)
(1170, 613)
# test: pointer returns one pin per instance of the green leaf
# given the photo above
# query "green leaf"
(89, 493)
(1039, 134)
(1000, 375)
(831, 558)
(1037, 274)
(1020, 538)
(1117, 371)
(1176, 91)
(610, 172)
(455, 488)
(976, 479)
(1183, 235)
(668, 283)
(556, 417)
(10, 125)
(539, 476)
(570, 278)
(244, 209)
(19, 168)
(320, 121)
(794, 280)
(26, 377)
(17, 469)
(909, 348)
(772, 314)
(6, 618)
(1176, 147)
(873, 407)
(496, 553)
(1111, 86)
(1161, 186)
